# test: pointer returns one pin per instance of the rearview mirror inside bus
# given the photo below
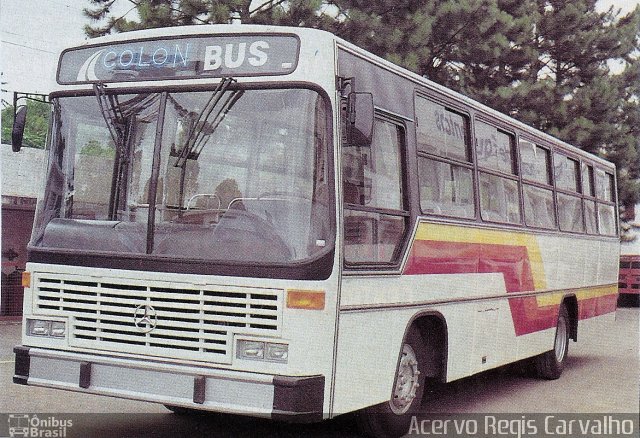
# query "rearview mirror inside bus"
(360, 119)
(19, 121)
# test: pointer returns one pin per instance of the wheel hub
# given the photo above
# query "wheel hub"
(406, 384)
(560, 345)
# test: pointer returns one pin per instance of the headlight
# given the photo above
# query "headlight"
(58, 329)
(277, 352)
(250, 350)
(258, 350)
(42, 327)
(38, 327)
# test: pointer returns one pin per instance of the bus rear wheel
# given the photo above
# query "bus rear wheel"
(179, 410)
(550, 365)
(393, 418)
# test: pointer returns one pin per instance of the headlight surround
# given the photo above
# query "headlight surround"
(260, 350)
(39, 327)
(46, 328)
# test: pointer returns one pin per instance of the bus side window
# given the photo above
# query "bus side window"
(445, 171)
(441, 131)
(539, 204)
(606, 203)
(499, 196)
(375, 214)
(445, 188)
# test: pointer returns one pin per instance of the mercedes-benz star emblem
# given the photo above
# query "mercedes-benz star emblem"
(145, 318)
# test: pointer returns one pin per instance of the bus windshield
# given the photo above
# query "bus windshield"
(222, 175)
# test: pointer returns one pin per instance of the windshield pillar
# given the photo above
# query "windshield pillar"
(155, 171)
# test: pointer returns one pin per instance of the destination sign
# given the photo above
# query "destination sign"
(181, 58)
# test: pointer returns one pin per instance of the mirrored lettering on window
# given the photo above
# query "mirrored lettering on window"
(494, 148)
(440, 131)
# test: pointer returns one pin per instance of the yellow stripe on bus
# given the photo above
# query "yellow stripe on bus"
(582, 294)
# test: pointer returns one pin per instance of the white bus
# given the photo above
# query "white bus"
(273, 222)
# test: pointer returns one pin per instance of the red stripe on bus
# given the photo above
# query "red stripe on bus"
(439, 257)
(590, 307)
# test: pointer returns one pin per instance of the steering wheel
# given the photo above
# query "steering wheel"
(262, 227)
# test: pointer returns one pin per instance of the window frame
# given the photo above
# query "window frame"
(549, 159)
(470, 153)
(469, 163)
(515, 169)
(563, 191)
(404, 213)
(553, 226)
(530, 182)
(612, 192)
(492, 172)
(581, 185)
(559, 154)
(574, 197)
(422, 157)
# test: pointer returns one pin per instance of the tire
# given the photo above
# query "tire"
(393, 418)
(550, 365)
(179, 410)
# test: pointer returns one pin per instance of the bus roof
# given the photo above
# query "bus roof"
(205, 29)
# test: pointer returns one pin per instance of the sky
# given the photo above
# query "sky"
(33, 32)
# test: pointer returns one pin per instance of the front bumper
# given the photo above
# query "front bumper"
(287, 398)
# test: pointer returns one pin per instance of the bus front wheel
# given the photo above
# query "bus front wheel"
(549, 365)
(393, 418)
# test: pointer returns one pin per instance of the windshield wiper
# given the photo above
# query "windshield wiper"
(117, 114)
(204, 125)
(113, 117)
(120, 118)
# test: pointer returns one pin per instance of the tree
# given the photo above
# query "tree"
(447, 41)
(571, 92)
(163, 13)
(35, 133)
(544, 62)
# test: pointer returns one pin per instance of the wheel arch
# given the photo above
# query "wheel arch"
(432, 327)
(571, 304)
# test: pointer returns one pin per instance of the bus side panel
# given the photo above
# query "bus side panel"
(499, 292)
(480, 336)
(368, 348)
(373, 321)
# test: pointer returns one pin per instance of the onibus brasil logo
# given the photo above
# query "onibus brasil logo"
(32, 426)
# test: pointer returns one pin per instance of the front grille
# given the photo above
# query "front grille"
(191, 322)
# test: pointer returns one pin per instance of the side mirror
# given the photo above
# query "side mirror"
(19, 121)
(360, 113)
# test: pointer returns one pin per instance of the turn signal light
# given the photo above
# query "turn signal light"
(26, 279)
(305, 299)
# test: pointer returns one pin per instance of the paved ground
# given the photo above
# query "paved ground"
(601, 377)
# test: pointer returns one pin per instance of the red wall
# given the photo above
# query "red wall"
(16, 231)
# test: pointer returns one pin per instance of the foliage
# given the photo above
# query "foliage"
(545, 62)
(163, 13)
(35, 133)
(97, 149)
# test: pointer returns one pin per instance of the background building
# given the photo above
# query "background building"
(21, 180)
